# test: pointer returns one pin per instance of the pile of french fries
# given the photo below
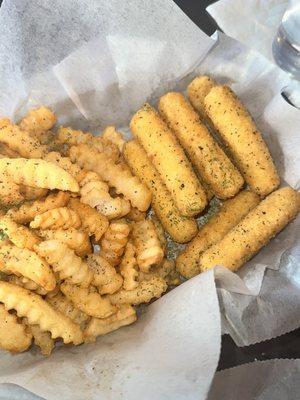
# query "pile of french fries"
(79, 250)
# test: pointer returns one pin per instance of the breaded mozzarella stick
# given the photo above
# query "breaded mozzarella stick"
(169, 159)
(254, 231)
(245, 143)
(210, 161)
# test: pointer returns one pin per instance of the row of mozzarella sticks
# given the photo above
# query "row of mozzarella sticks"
(79, 251)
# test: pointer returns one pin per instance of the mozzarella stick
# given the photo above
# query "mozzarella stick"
(197, 90)
(245, 143)
(170, 161)
(254, 231)
(181, 229)
(209, 160)
(229, 215)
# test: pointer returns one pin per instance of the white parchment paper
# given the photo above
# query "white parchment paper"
(94, 63)
(264, 380)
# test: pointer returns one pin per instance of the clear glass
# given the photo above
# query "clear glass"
(286, 45)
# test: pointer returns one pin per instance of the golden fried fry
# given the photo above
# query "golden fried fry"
(197, 90)
(146, 291)
(92, 221)
(37, 121)
(125, 315)
(73, 137)
(19, 235)
(128, 268)
(66, 307)
(77, 240)
(170, 161)
(95, 193)
(106, 278)
(38, 173)
(22, 142)
(42, 339)
(65, 163)
(245, 143)
(114, 241)
(28, 264)
(88, 301)
(26, 284)
(57, 218)
(39, 312)
(229, 215)
(210, 161)
(149, 251)
(32, 193)
(116, 175)
(28, 211)
(112, 135)
(159, 231)
(162, 270)
(254, 231)
(14, 336)
(181, 229)
(9, 192)
(65, 262)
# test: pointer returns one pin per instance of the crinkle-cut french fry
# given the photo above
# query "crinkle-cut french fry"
(14, 336)
(106, 278)
(243, 139)
(95, 193)
(262, 223)
(32, 193)
(9, 192)
(112, 135)
(19, 235)
(6, 151)
(26, 263)
(208, 158)
(75, 239)
(65, 262)
(41, 338)
(128, 268)
(145, 292)
(197, 90)
(135, 215)
(26, 284)
(64, 162)
(229, 214)
(72, 137)
(4, 122)
(116, 175)
(92, 221)
(38, 173)
(27, 211)
(38, 311)
(149, 251)
(88, 301)
(181, 229)
(170, 161)
(125, 315)
(57, 218)
(66, 307)
(21, 141)
(38, 120)
(114, 241)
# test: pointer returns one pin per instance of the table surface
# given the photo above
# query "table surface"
(286, 346)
